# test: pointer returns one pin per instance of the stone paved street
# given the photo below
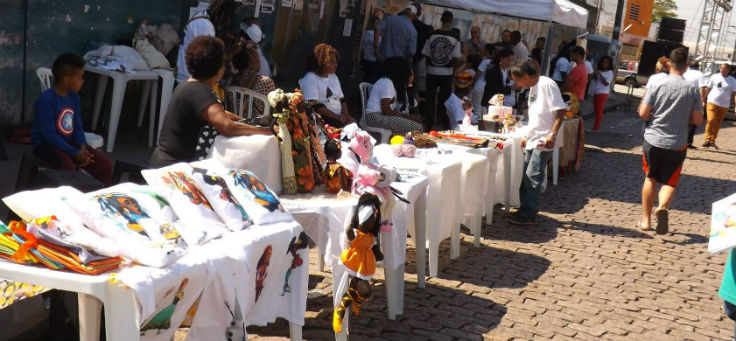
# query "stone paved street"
(585, 272)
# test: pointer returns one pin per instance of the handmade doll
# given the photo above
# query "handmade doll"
(301, 145)
(360, 257)
(336, 177)
(280, 102)
(371, 178)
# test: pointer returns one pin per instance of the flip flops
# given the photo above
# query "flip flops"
(662, 221)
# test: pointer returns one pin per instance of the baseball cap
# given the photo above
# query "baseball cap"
(253, 31)
(411, 9)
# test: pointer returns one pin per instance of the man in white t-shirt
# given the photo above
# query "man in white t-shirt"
(719, 90)
(546, 112)
(443, 53)
(695, 77)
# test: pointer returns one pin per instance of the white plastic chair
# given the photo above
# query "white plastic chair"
(46, 77)
(365, 91)
(235, 97)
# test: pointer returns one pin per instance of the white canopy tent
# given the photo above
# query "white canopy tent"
(559, 11)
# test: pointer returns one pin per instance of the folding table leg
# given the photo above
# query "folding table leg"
(455, 241)
(145, 92)
(90, 309)
(295, 331)
(118, 92)
(395, 291)
(555, 165)
(420, 238)
(99, 96)
(154, 103)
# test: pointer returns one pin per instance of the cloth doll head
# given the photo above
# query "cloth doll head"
(367, 215)
(333, 150)
(362, 145)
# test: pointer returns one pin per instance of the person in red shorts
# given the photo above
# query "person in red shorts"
(668, 108)
(57, 134)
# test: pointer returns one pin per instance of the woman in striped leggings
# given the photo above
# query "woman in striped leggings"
(388, 104)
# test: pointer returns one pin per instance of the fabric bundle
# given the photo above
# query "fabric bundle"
(20, 246)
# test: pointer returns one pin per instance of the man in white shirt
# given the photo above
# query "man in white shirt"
(546, 112)
(521, 53)
(695, 77)
(718, 91)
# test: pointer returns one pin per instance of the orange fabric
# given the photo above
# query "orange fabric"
(359, 256)
(675, 178)
(30, 243)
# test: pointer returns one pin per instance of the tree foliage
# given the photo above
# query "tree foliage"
(664, 8)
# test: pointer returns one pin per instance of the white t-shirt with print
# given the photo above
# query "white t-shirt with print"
(384, 88)
(598, 87)
(721, 89)
(562, 65)
(441, 49)
(326, 90)
(544, 100)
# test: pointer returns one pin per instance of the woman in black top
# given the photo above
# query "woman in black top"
(495, 83)
(194, 104)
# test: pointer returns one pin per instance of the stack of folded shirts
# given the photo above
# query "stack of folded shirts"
(21, 246)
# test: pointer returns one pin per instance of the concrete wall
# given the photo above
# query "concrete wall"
(58, 26)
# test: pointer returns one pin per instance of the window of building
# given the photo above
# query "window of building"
(634, 12)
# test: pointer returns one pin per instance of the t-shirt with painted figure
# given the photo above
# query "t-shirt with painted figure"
(441, 49)
(721, 90)
(56, 121)
(326, 90)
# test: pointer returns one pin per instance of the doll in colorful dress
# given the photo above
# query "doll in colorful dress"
(360, 257)
(336, 177)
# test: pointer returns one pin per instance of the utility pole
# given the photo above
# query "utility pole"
(613, 49)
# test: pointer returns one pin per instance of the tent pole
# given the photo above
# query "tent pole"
(547, 48)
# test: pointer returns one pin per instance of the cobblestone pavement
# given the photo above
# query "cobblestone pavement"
(585, 272)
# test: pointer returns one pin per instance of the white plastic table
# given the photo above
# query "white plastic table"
(120, 82)
(442, 200)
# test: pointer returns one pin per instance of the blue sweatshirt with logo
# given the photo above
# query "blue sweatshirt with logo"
(57, 121)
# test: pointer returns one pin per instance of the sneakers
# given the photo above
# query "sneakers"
(523, 221)
(714, 145)
(706, 144)
(690, 146)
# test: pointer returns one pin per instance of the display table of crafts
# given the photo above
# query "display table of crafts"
(325, 216)
(208, 288)
(443, 201)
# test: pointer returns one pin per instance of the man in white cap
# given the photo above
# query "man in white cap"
(252, 31)
(399, 35)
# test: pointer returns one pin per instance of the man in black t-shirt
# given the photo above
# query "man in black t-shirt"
(443, 53)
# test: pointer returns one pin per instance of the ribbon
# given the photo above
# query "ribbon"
(31, 241)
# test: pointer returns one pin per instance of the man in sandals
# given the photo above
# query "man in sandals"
(669, 106)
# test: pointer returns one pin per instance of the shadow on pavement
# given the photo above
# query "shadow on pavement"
(618, 177)
(426, 313)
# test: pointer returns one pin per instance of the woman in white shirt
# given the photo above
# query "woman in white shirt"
(321, 87)
(601, 87)
(388, 104)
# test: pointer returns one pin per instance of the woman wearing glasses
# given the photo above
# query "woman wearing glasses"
(718, 91)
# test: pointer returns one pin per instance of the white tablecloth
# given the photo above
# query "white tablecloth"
(443, 194)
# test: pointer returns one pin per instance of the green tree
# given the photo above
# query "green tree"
(664, 8)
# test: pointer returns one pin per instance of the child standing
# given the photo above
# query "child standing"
(57, 134)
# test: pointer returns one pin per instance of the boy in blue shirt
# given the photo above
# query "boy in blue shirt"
(57, 133)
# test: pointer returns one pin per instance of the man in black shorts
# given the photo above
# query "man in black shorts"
(668, 107)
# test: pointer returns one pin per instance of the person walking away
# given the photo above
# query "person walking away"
(546, 112)
(718, 91)
(601, 87)
(669, 106)
(57, 134)
(475, 44)
(209, 22)
(443, 54)
(370, 61)
(396, 35)
(521, 53)
(578, 76)
(694, 76)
